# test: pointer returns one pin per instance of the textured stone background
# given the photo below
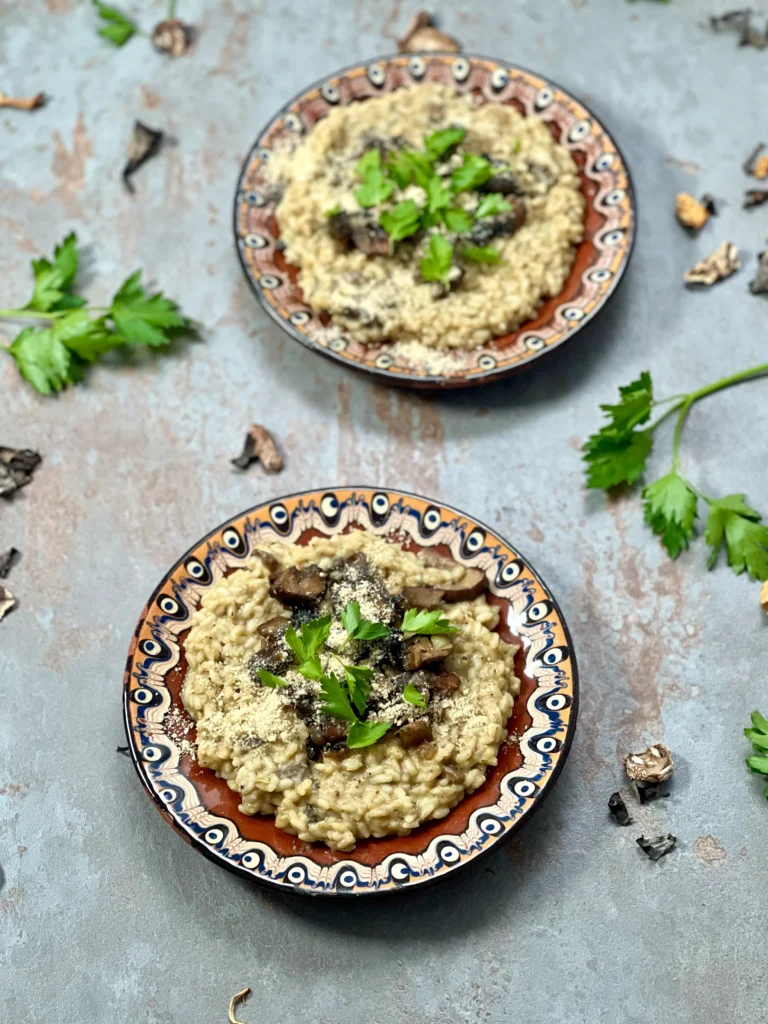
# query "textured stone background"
(105, 914)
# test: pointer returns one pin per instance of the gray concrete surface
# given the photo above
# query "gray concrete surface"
(105, 914)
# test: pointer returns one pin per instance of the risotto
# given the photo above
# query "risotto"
(347, 687)
(419, 217)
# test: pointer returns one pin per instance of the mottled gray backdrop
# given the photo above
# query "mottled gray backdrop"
(105, 914)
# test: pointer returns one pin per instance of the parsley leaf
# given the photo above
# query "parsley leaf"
(474, 171)
(364, 734)
(634, 408)
(457, 220)
(409, 166)
(311, 668)
(143, 319)
(436, 264)
(481, 254)
(493, 203)
(439, 142)
(313, 636)
(118, 28)
(359, 684)
(42, 359)
(612, 461)
(758, 734)
(333, 212)
(427, 623)
(350, 617)
(270, 679)
(360, 629)
(414, 696)
(732, 521)
(336, 699)
(438, 196)
(375, 187)
(53, 280)
(670, 510)
(402, 222)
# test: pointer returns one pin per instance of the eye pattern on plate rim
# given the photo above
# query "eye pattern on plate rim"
(214, 836)
(379, 507)
(448, 853)
(170, 606)
(170, 795)
(490, 825)
(154, 649)
(616, 197)
(486, 362)
(499, 78)
(461, 69)
(347, 879)
(252, 859)
(579, 131)
(337, 344)
(296, 874)
(399, 870)
(233, 541)
(534, 344)
(377, 76)
(539, 611)
(384, 361)
(254, 198)
(604, 162)
(279, 516)
(543, 98)
(473, 543)
(197, 570)
(294, 123)
(417, 67)
(545, 744)
(552, 656)
(612, 238)
(573, 314)
(557, 702)
(269, 281)
(330, 92)
(600, 275)
(144, 696)
(330, 508)
(254, 241)
(430, 520)
(509, 573)
(522, 787)
(300, 317)
(154, 754)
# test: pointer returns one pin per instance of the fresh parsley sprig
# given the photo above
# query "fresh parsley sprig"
(618, 452)
(52, 357)
(118, 27)
(375, 187)
(436, 265)
(414, 696)
(271, 680)
(758, 737)
(427, 623)
(358, 628)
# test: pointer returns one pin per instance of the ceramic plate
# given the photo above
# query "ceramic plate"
(204, 810)
(600, 259)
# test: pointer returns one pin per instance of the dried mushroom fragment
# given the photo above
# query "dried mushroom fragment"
(272, 564)
(723, 262)
(690, 212)
(239, 997)
(420, 650)
(7, 558)
(7, 601)
(359, 231)
(754, 197)
(740, 21)
(299, 587)
(749, 164)
(422, 597)
(647, 791)
(708, 202)
(501, 225)
(471, 585)
(504, 181)
(444, 682)
(421, 35)
(145, 143)
(275, 657)
(759, 283)
(172, 37)
(273, 627)
(657, 847)
(764, 596)
(17, 467)
(25, 103)
(618, 809)
(328, 730)
(413, 733)
(259, 446)
(651, 765)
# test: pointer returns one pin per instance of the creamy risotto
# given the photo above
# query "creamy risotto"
(319, 705)
(418, 217)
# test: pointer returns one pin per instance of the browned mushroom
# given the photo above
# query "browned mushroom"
(422, 35)
(504, 181)
(272, 627)
(500, 225)
(273, 657)
(413, 733)
(444, 682)
(172, 37)
(421, 651)
(301, 587)
(422, 597)
(269, 561)
(359, 231)
(327, 731)
(471, 585)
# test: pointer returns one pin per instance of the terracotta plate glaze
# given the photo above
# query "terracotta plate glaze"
(204, 810)
(600, 261)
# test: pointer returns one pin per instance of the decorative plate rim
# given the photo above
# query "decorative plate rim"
(492, 841)
(434, 381)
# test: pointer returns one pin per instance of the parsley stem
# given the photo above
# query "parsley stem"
(171, 9)
(679, 429)
(726, 382)
(32, 314)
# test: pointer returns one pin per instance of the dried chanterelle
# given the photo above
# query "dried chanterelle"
(690, 212)
(422, 35)
(651, 765)
(720, 264)
(764, 596)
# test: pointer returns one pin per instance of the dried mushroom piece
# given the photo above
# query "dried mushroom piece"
(145, 143)
(618, 809)
(422, 597)
(7, 559)
(444, 682)
(657, 847)
(749, 164)
(473, 583)
(239, 997)
(754, 197)
(359, 231)
(7, 602)
(740, 21)
(647, 791)
(690, 212)
(720, 264)
(708, 202)
(413, 733)
(259, 445)
(759, 283)
(421, 650)
(299, 587)
(22, 103)
(172, 37)
(17, 467)
(654, 764)
(421, 35)
(764, 596)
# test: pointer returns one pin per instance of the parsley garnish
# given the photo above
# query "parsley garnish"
(474, 171)
(375, 187)
(427, 623)
(56, 355)
(118, 27)
(439, 142)
(436, 264)
(491, 204)
(758, 737)
(617, 454)
(403, 221)
(358, 628)
(270, 679)
(364, 734)
(409, 166)
(438, 196)
(457, 220)
(481, 254)
(336, 699)
(414, 696)
(313, 636)
(333, 212)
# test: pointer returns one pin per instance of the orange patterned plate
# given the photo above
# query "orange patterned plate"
(601, 258)
(204, 810)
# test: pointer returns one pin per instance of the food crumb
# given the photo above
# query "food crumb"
(178, 725)
(720, 264)
(690, 212)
